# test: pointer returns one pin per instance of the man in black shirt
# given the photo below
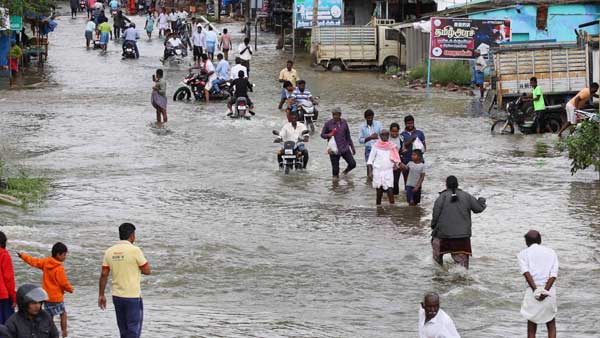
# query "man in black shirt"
(241, 85)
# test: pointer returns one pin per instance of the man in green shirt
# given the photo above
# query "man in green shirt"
(537, 97)
(105, 30)
(14, 55)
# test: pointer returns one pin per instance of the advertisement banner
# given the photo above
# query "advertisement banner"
(16, 23)
(331, 13)
(457, 38)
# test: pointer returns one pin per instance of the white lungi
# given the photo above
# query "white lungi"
(539, 312)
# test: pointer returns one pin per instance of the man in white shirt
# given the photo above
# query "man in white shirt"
(198, 43)
(171, 44)
(245, 53)
(433, 321)
(211, 42)
(539, 266)
(235, 70)
(163, 23)
(173, 20)
(292, 131)
(480, 66)
(209, 68)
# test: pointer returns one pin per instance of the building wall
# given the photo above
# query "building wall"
(362, 10)
(560, 26)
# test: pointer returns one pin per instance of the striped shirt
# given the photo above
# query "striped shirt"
(301, 96)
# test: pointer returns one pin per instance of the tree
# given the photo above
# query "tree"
(18, 7)
(584, 147)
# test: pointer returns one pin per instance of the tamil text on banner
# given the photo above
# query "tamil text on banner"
(331, 13)
(456, 38)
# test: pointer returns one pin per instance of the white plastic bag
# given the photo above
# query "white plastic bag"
(332, 147)
(417, 144)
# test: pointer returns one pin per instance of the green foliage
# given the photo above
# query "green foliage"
(443, 72)
(583, 146)
(18, 7)
(393, 70)
(22, 186)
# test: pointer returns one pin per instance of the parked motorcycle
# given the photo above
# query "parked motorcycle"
(195, 83)
(308, 113)
(292, 158)
(520, 114)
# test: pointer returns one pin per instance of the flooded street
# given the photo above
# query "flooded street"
(237, 248)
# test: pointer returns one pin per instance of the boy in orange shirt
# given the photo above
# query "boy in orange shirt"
(54, 281)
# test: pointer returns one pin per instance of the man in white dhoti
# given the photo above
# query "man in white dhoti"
(434, 322)
(383, 158)
(539, 266)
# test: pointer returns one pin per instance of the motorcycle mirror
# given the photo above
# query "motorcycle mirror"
(277, 140)
(275, 132)
(305, 132)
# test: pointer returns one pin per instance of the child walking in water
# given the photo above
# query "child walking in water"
(416, 175)
(159, 98)
(383, 158)
(54, 281)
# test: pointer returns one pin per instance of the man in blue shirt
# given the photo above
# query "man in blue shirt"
(369, 132)
(413, 139)
(302, 95)
(129, 37)
(222, 71)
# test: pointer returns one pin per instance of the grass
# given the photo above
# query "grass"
(444, 72)
(27, 189)
(392, 70)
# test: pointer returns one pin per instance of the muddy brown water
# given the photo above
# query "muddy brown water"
(240, 250)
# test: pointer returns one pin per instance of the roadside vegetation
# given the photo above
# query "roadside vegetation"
(18, 7)
(19, 184)
(583, 147)
(443, 72)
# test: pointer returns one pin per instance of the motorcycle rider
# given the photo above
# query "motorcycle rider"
(172, 43)
(31, 320)
(301, 95)
(237, 68)
(241, 85)
(288, 91)
(292, 131)
(222, 72)
(130, 36)
(209, 68)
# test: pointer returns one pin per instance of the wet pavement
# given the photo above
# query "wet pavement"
(240, 250)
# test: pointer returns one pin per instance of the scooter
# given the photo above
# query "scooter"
(308, 113)
(176, 55)
(520, 113)
(292, 158)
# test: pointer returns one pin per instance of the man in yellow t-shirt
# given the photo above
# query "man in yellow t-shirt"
(578, 102)
(287, 74)
(125, 261)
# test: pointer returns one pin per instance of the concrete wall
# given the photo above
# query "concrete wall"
(562, 20)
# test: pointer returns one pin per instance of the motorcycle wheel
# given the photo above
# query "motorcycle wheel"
(182, 93)
(554, 125)
(312, 127)
(287, 168)
(502, 127)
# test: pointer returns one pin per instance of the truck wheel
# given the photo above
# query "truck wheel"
(336, 66)
(391, 63)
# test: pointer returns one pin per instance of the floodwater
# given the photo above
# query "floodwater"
(238, 249)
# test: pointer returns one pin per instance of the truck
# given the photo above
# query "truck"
(377, 44)
(562, 70)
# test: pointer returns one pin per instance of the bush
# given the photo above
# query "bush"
(25, 188)
(583, 146)
(443, 72)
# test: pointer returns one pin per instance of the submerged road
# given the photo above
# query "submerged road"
(240, 250)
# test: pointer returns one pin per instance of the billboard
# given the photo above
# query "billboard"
(457, 38)
(331, 13)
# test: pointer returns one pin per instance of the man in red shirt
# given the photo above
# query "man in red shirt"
(8, 294)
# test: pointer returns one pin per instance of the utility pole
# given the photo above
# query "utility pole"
(315, 23)
(248, 23)
(217, 7)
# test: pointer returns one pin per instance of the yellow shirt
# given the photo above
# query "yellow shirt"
(584, 96)
(124, 261)
(289, 75)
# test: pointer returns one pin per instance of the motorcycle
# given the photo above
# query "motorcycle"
(292, 158)
(520, 114)
(175, 55)
(308, 113)
(240, 109)
(129, 51)
(195, 83)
